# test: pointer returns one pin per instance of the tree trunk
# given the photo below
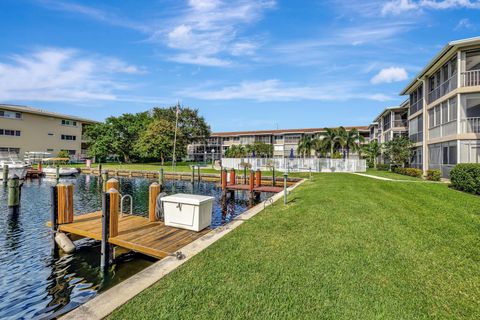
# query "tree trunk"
(162, 160)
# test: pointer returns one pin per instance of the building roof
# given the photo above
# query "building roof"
(392, 108)
(453, 45)
(281, 131)
(41, 112)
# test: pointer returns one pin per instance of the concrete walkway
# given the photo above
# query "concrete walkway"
(397, 180)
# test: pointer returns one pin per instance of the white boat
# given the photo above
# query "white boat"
(15, 167)
(51, 169)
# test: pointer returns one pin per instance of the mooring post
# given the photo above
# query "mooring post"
(112, 183)
(14, 194)
(245, 175)
(232, 177)
(258, 178)
(285, 191)
(5, 175)
(192, 179)
(99, 170)
(251, 181)
(64, 203)
(198, 173)
(57, 172)
(54, 208)
(273, 176)
(224, 179)
(160, 177)
(104, 179)
(153, 192)
(114, 210)
(105, 247)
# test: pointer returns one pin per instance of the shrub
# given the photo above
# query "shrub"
(383, 167)
(466, 177)
(412, 172)
(434, 175)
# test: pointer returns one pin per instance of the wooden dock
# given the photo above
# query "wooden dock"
(246, 187)
(135, 233)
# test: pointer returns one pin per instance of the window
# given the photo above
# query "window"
(8, 132)
(10, 114)
(68, 137)
(473, 60)
(453, 109)
(444, 107)
(437, 115)
(49, 150)
(50, 134)
(431, 118)
(10, 150)
(69, 123)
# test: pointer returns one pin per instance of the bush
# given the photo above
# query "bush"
(466, 177)
(434, 175)
(383, 167)
(412, 172)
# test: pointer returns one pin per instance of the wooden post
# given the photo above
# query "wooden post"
(251, 181)
(65, 203)
(198, 173)
(245, 175)
(160, 177)
(285, 191)
(104, 180)
(112, 183)
(5, 175)
(57, 173)
(14, 194)
(153, 192)
(232, 176)
(114, 209)
(99, 169)
(273, 175)
(258, 178)
(193, 174)
(224, 179)
(105, 247)
(54, 208)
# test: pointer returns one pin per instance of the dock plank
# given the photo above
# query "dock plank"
(136, 233)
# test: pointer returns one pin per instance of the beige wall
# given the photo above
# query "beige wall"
(35, 136)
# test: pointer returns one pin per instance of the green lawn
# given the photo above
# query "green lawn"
(345, 247)
(391, 175)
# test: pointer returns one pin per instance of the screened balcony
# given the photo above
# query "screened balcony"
(471, 76)
(470, 120)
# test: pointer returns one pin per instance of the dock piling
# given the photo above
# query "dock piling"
(245, 175)
(232, 176)
(64, 203)
(57, 172)
(104, 179)
(14, 194)
(285, 190)
(112, 184)
(114, 209)
(198, 173)
(224, 179)
(273, 176)
(258, 178)
(105, 247)
(5, 175)
(251, 181)
(99, 169)
(54, 208)
(153, 192)
(160, 177)
(192, 179)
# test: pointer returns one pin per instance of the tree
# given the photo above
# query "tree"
(117, 135)
(373, 150)
(398, 151)
(305, 146)
(191, 126)
(319, 147)
(350, 140)
(331, 139)
(262, 149)
(236, 151)
(157, 140)
(63, 154)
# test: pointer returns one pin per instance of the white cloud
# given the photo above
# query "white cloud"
(54, 74)
(275, 90)
(399, 6)
(465, 24)
(391, 74)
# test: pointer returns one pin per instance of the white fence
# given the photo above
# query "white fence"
(298, 164)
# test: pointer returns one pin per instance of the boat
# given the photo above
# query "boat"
(53, 165)
(15, 167)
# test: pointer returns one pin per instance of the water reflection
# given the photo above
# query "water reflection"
(40, 282)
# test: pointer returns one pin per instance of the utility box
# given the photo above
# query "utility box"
(188, 211)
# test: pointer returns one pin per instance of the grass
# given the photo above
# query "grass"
(154, 166)
(345, 247)
(390, 175)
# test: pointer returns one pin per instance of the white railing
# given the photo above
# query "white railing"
(298, 164)
(471, 125)
(416, 106)
(471, 78)
(443, 89)
(399, 123)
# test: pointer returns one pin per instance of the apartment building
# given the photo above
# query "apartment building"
(25, 129)
(444, 111)
(284, 141)
(390, 123)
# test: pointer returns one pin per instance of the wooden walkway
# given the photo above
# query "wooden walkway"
(135, 233)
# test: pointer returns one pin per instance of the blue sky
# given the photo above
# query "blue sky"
(246, 64)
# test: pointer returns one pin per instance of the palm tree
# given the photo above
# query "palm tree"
(351, 140)
(373, 150)
(331, 139)
(318, 146)
(305, 146)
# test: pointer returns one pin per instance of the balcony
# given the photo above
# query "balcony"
(416, 106)
(443, 89)
(399, 123)
(471, 125)
(471, 78)
(416, 137)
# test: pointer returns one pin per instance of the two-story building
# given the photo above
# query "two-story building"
(444, 112)
(25, 129)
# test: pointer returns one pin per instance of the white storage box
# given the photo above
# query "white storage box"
(188, 211)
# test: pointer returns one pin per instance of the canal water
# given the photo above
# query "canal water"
(37, 282)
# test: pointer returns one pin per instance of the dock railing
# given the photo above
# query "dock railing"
(297, 164)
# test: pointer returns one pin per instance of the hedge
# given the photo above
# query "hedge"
(466, 177)
(412, 172)
(383, 167)
(434, 175)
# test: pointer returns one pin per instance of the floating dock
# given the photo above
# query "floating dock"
(135, 233)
